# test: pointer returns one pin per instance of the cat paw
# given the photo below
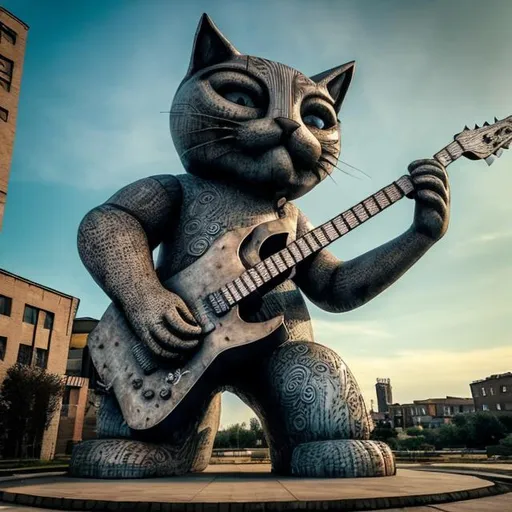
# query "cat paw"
(123, 458)
(343, 458)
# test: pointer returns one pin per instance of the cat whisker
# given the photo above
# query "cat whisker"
(326, 172)
(346, 163)
(199, 114)
(207, 129)
(339, 168)
(197, 146)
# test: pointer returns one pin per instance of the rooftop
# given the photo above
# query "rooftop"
(11, 15)
(495, 376)
(33, 283)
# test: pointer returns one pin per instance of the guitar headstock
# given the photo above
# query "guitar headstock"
(486, 142)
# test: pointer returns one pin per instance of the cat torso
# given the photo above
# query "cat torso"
(208, 211)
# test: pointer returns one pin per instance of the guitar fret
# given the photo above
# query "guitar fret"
(234, 292)
(405, 185)
(365, 208)
(372, 206)
(287, 257)
(320, 235)
(279, 263)
(271, 267)
(294, 250)
(350, 218)
(303, 247)
(382, 199)
(255, 277)
(227, 295)
(241, 287)
(312, 243)
(246, 278)
(330, 231)
(263, 271)
(340, 224)
(360, 212)
(393, 193)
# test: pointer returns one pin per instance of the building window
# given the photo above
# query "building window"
(30, 315)
(3, 347)
(483, 392)
(498, 407)
(461, 408)
(503, 389)
(7, 34)
(5, 305)
(4, 114)
(24, 354)
(491, 389)
(41, 357)
(48, 320)
(485, 407)
(6, 67)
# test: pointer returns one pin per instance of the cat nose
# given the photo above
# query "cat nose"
(287, 125)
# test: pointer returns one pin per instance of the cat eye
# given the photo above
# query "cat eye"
(318, 114)
(311, 120)
(240, 98)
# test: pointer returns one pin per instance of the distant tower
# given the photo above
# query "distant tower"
(384, 394)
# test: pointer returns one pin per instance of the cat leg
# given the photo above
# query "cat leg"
(118, 454)
(314, 415)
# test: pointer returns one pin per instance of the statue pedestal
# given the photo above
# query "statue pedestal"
(230, 487)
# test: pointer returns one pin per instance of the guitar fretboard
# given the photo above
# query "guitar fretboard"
(307, 245)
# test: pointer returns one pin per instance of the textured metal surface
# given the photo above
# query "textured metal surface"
(246, 157)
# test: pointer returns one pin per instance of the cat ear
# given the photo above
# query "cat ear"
(336, 80)
(210, 46)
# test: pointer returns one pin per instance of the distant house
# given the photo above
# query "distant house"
(429, 413)
(493, 393)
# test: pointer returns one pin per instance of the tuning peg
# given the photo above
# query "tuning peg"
(486, 124)
(498, 152)
(507, 144)
(495, 119)
(476, 126)
(489, 160)
(466, 128)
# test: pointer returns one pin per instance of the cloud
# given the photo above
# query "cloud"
(328, 331)
(485, 242)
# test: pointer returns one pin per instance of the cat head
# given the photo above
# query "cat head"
(255, 122)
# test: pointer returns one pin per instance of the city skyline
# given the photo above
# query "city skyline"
(96, 78)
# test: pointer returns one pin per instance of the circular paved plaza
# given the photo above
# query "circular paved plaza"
(245, 487)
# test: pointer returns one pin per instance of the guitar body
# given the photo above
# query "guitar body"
(148, 397)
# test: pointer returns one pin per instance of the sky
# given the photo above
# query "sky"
(98, 73)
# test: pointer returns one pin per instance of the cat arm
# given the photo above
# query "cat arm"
(115, 242)
(337, 286)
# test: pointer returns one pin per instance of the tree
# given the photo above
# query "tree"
(384, 432)
(29, 397)
(239, 436)
(485, 429)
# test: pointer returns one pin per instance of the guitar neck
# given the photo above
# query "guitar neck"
(319, 238)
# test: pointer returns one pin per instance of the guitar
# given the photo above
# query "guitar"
(214, 286)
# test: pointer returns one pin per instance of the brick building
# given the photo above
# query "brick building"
(493, 393)
(80, 403)
(13, 37)
(429, 413)
(35, 328)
